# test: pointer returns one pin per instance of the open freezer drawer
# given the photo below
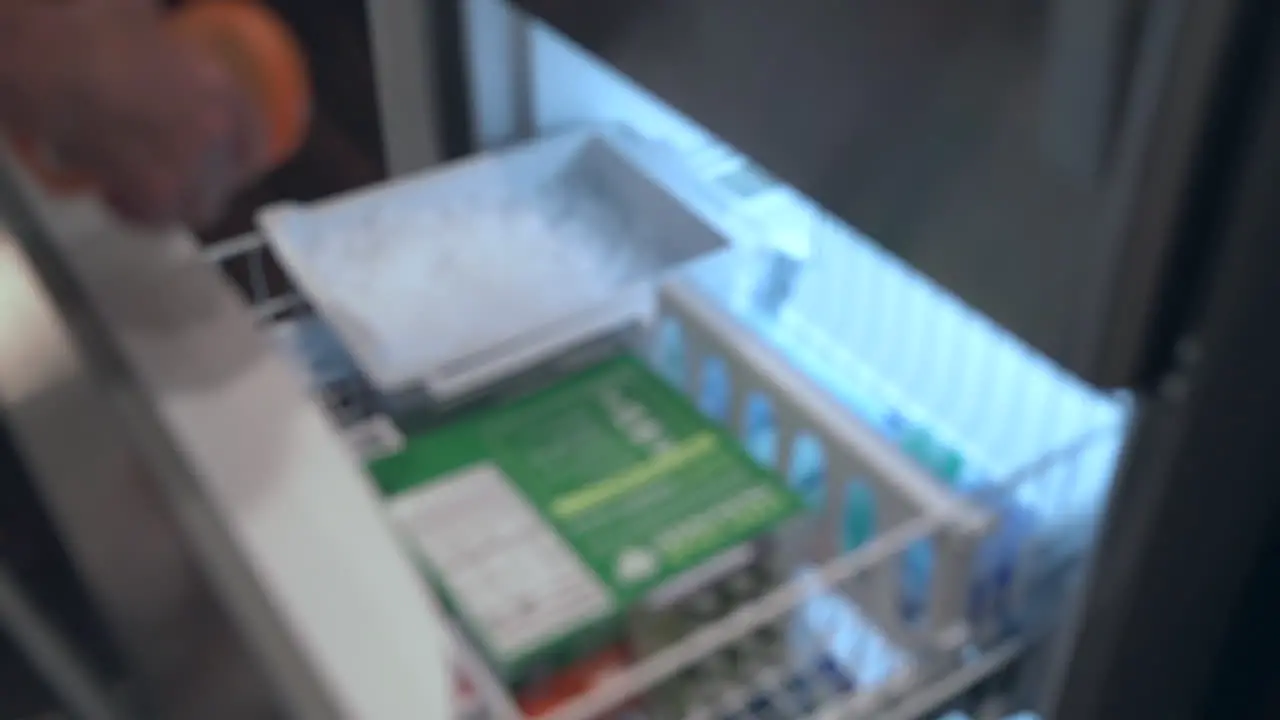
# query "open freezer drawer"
(293, 617)
(284, 529)
(907, 662)
(872, 659)
(942, 598)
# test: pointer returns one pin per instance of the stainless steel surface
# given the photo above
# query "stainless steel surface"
(930, 126)
(405, 83)
(1090, 48)
(498, 69)
(234, 544)
(126, 541)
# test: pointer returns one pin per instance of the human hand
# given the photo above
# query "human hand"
(162, 128)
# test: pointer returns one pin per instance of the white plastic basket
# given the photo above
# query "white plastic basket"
(983, 412)
(855, 458)
(897, 661)
(857, 333)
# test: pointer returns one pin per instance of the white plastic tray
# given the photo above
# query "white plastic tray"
(452, 279)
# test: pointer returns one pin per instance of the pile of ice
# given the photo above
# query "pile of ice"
(433, 283)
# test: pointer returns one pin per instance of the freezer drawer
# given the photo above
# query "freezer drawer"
(1027, 155)
(205, 502)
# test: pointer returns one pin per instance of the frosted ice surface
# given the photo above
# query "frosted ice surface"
(436, 282)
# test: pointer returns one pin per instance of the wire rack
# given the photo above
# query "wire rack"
(913, 589)
(987, 416)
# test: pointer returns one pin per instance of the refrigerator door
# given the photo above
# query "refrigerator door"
(1029, 155)
(1179, 617)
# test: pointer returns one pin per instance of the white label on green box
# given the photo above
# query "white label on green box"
(520, 582)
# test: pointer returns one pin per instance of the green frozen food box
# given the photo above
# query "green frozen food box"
(544, 520)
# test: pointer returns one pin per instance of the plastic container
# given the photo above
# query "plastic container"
(850, 607)
(454, 279)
